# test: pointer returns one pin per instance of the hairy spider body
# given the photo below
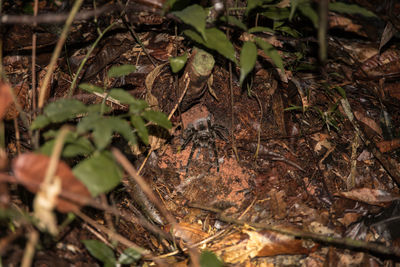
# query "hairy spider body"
(202, 133)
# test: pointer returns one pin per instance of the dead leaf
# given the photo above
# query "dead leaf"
(189, 232)
(368, 121)
(5, 98)
(387, 34)
(386, 64)
(30, 170)
(370, 196)
(346, 24)
(239, 247)
(21, 93)
(387, 146)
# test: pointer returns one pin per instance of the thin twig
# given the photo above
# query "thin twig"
(143, 185)
(128, 25)
(346, 242)
(55, 18)
(35, 137)
(73, 84)
(33, 238)
(169, 117)
(57, 51)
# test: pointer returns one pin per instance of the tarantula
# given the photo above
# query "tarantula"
(202, 133)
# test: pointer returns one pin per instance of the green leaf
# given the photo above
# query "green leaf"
(310, 13)
(261, 29)
(103, 128)
(138, 106)
(91, 88)
(341, 91)
(248, 57)
(140, 126)
(350, 9)
(100, 251)
(119, 71)
(177, 63)
(99, 173)
(293, 108)
(289, 30)
(234, 21)
(97, 108)
(194, 16)
(216, 40)
(129, 256)
(270, 51)
(209, 259)
(41, 121)
(86, 124)
(74, 146)
(122, 96)
(158, 118)
(276, 13)
(251, 4)
(64, 109)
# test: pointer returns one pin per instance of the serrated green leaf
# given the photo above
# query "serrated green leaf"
(209, 259)
(261, 29)
(177, 63)
(103, 128)
(138, 106)
(140, 126)
(310, 13)
(234, 21)
(119, 71)
(129, 256)
(100, 251)
(97, 108)
(99, 173)
(64, 109)
(341, 7)
(216, 40)
(270, 51)
(158, 118)
(194, 16)
(91, 88)
(122, 127)
(74, 145)
(122, 96)
(248, 57)
(86, 124)
(40, 122)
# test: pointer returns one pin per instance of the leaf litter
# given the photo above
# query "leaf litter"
(269, 188)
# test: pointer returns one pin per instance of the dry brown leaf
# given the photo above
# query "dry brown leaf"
(381, 65)
(238, 248)
(30, 170)
(386, 146)
(189, 232)
(392, 90)
(21, 93)
(368, 121)
(370, 196)
(338, 21)
(5, 98)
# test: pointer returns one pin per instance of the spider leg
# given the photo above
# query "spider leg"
(214, 148)
(220, 130)
(188, 138)
(194, 146)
